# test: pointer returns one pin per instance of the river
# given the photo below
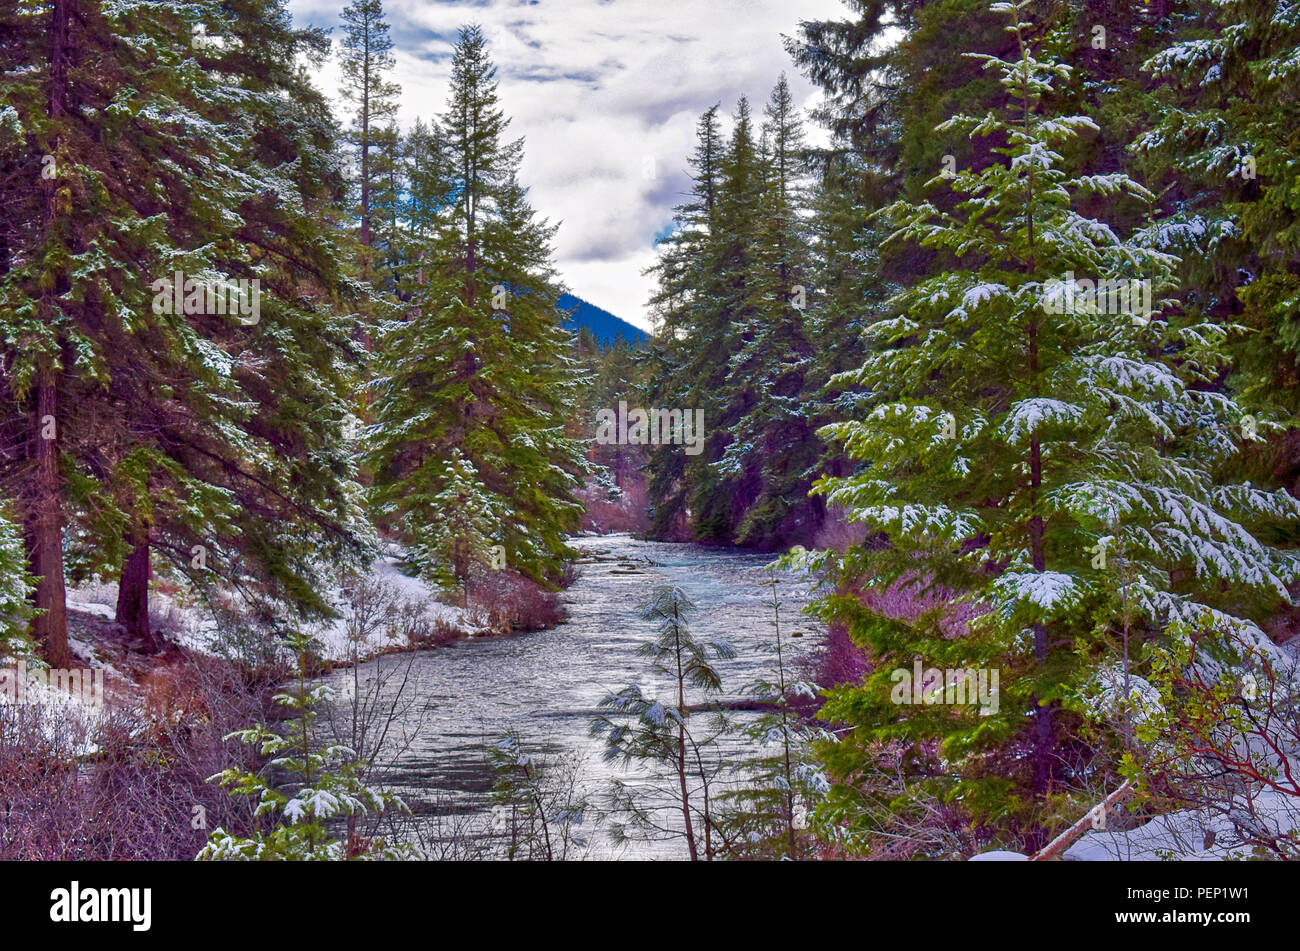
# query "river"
(547, 684)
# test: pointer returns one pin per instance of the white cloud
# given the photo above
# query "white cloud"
(606, 95)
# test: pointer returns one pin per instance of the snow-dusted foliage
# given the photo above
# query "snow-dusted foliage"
(464, 519)
(212, 435)
(476, 369)
(15, 586)
(1227, 132)
(1060, 467)
(299, 821)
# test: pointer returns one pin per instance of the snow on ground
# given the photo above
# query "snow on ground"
(109, 677)
(1187, 835)
(334, 636)
(193, 627)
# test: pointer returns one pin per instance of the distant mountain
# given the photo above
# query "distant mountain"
(604, 326)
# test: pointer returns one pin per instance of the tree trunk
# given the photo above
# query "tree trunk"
(45, 515)
(50, 626)
(686, 797)
(681, 745)
(133, 594)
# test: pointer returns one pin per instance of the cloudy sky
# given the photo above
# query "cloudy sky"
(606, 95)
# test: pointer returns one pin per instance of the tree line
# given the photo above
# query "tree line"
(405, 369)
(912, 363)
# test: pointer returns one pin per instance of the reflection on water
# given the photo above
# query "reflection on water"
(546, 684)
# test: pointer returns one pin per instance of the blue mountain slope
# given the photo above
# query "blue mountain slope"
(604, 326)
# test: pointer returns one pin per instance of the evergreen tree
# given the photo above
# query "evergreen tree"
(772, 446)
(209, 434)
(850, 286)
(661, 732)
(1227, 131)
(780, 787)
(1047, 461)
(387, 166)
(710, 296)
(482, 365)
(732, 301)
(463, 520)
(326, 786)
(538, 799)
(367, 62)
(682, 273)
(15, 588)
(426, 180)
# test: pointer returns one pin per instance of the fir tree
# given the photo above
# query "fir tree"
(1226, 130)
(772, 447)
(780, 787)
(367, 61)
(1020, 451)
(709, 299)
(482, 365)
(682, 272)
(211, 436)
(15, 588)
(463, 522)
(326, 786)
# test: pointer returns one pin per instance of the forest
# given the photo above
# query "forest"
(965, 435)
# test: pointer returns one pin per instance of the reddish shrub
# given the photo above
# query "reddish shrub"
(121, 789)
(609, 508)
(506, 601)
(840, 661)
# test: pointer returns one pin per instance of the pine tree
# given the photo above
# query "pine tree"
(387, 166)
(538, 800)
(772, 447)
(426, 181)
(1049, 463)
(211, 436)
(15, 588)
(781, 785)
(482, 364)
(710, 295)
(326, 786)
(1227, 132)
(462, 519)
(661, 731)
(682, 273)
(849, 287)
(367, 61)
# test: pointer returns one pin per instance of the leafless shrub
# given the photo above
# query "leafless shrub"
(506, 601)
(127, 784)
(837, 533)
(1224, 742)
(609, 508)
(376, 712)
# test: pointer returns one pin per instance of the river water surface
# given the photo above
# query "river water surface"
(547, 684)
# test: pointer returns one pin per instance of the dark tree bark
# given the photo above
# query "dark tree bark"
(45, 513)
(133, 594)
(45, 531)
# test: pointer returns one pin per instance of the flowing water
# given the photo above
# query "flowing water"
(547, 684)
